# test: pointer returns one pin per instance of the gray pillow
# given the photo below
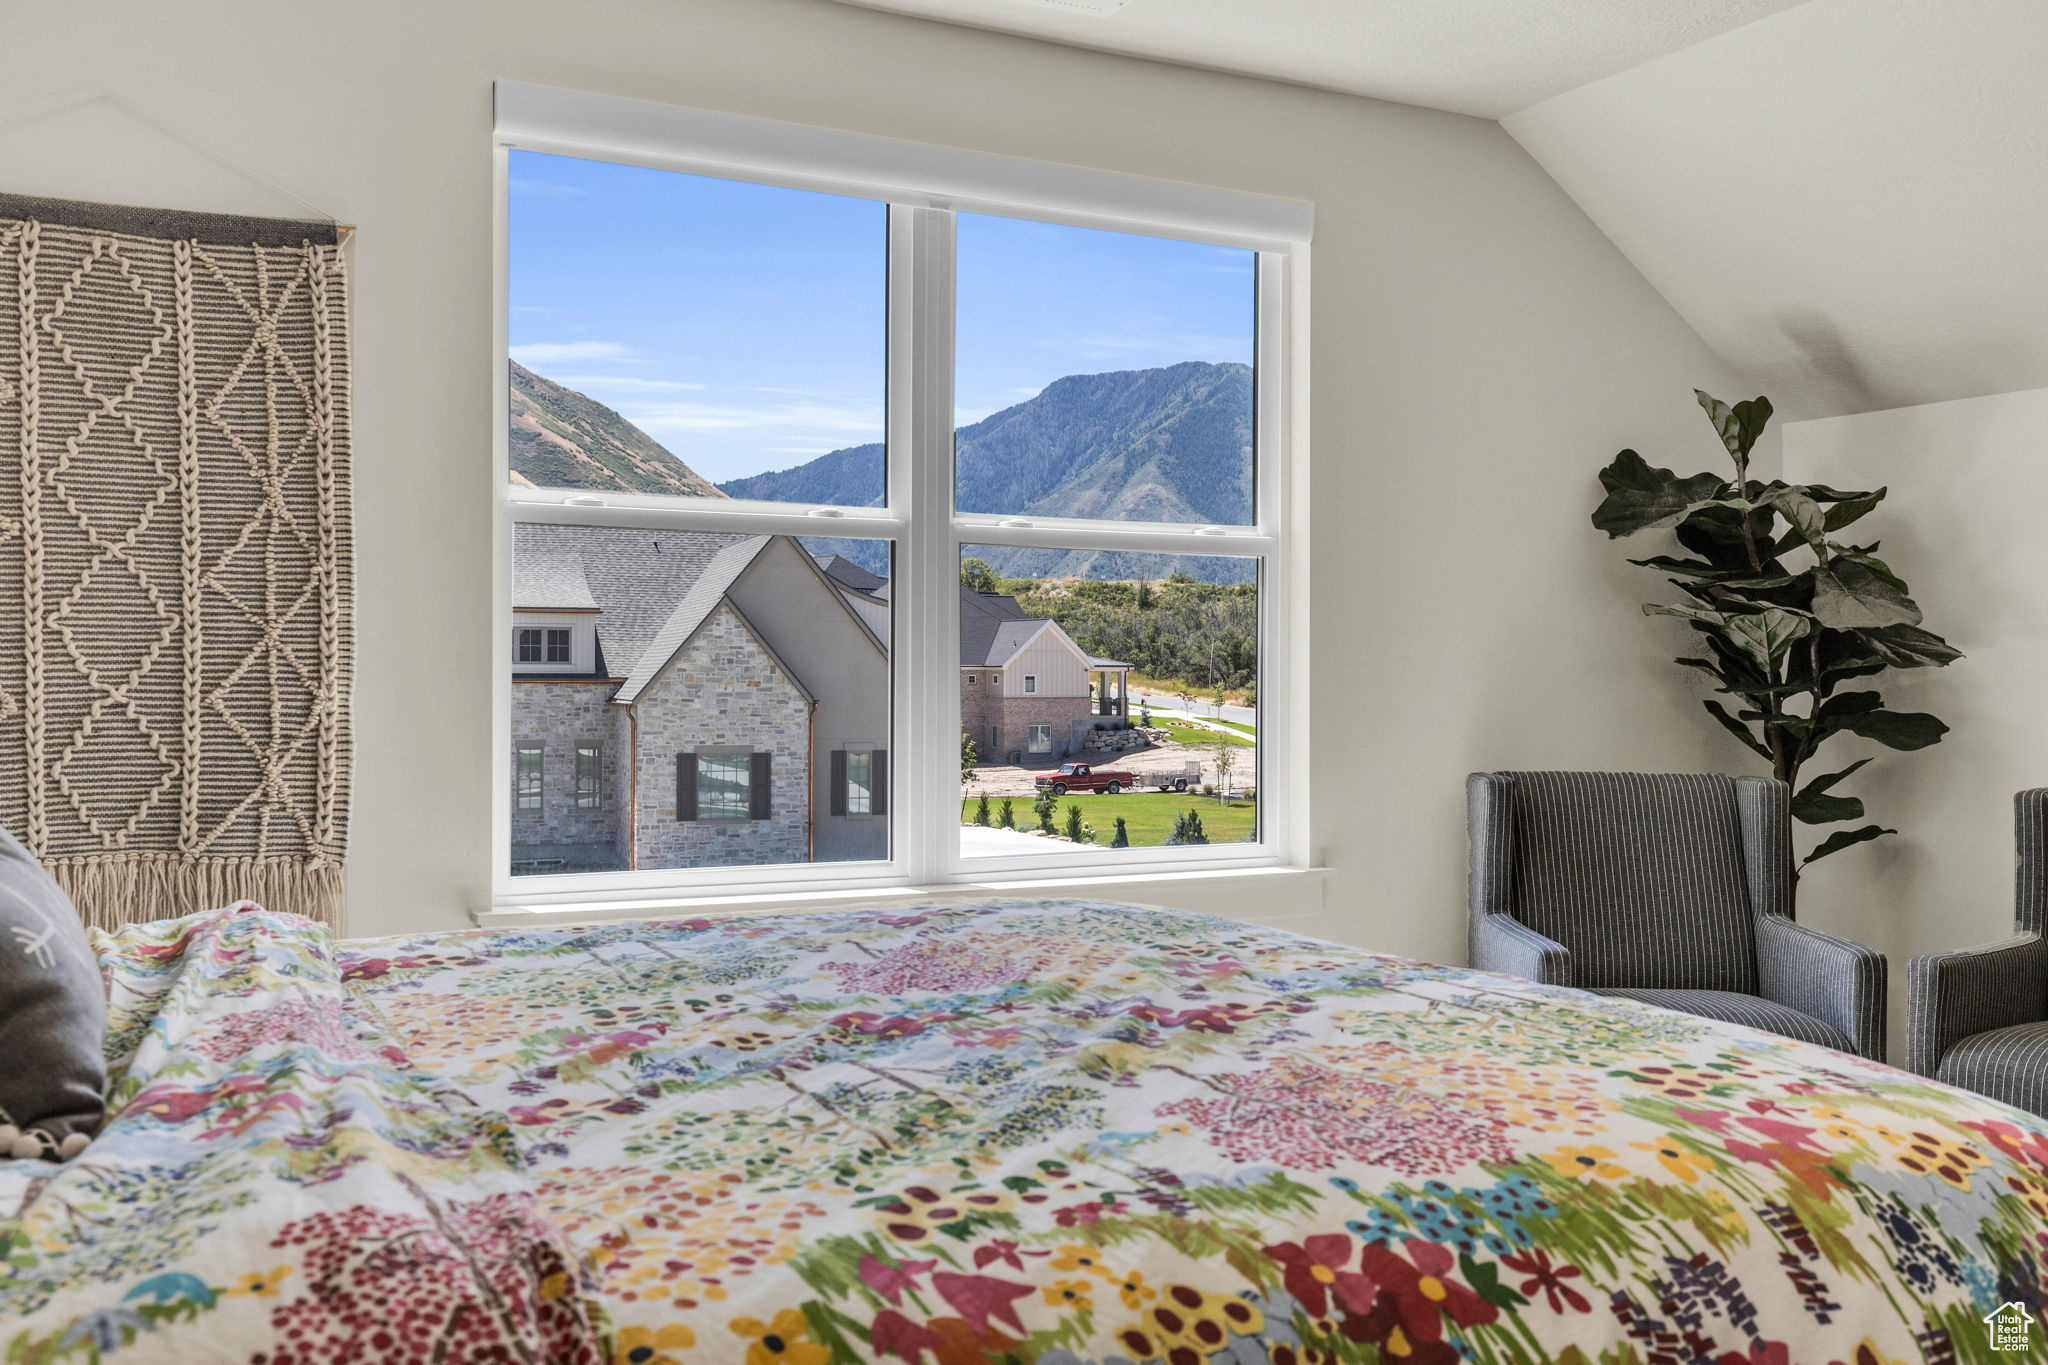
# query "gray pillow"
(53, 1016)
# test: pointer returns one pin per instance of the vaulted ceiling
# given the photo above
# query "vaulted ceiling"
(1848, 199)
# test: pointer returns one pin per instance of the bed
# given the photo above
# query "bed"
(1043, 1131)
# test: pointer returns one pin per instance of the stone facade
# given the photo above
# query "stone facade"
(985, 711)
(562, 716)
(723, 689)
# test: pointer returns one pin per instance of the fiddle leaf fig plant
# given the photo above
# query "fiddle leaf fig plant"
(1789, 615)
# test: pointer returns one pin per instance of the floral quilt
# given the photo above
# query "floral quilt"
(1055, 1132)
(274, 1184)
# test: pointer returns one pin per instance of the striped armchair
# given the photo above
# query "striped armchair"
(1674, 889)
(1978, 1018)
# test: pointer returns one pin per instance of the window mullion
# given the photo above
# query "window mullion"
(928, 644)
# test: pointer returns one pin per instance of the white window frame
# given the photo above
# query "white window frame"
(724, 753)
(582, 642)
(1031, 734)
(1030, 684)
(925, 187)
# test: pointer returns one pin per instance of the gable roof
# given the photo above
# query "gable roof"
(992, 628)
(550, 579)
(636, 578)
(696, 605)
(848, 574)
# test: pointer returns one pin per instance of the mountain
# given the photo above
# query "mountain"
(563, 439)
(1169, 444)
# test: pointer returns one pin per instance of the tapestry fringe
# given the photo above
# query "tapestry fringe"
(136, 888)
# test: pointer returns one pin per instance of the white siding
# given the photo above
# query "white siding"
(1061, 667)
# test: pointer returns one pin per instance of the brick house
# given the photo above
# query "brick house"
(687, 699)
(1028, 693)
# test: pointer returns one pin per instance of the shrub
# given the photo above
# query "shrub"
(1043, 808)
(981, 810)
(1008, 818)
(1187, 829)
(1076, 829)
(1122, 838)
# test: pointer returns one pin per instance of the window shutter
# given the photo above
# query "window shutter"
(686, 786)
(879, 776)
(760, 778)
(838, 782)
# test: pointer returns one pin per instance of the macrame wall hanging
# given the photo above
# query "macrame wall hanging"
(175, 558)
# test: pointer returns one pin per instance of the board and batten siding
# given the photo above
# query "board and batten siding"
(1061, 668)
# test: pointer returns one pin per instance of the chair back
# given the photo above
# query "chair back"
(1640, 875)
(2030, 879)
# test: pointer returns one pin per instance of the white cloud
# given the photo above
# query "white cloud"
(625, 383)
(551, 352)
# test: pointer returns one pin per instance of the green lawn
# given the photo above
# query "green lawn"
(1148, 816)
(1185, 733)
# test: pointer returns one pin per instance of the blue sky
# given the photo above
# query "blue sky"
(742, 326)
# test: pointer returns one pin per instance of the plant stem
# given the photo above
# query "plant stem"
(1748, 533)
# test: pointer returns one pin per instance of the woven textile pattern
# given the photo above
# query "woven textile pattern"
(174, 569)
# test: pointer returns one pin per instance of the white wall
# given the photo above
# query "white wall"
(1963, 527)
(1844, 198)
(1479, 350)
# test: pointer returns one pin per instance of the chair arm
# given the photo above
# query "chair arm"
(1954, 995)
(1501, 943)
(1832, 979)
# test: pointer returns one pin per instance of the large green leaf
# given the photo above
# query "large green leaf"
(1735, 727)
(1850, 507)
(1909, 647)
(1805, 515)
(1738, 426)
(1845, 838)
(1896, 729)
(1640, 497)
(1765, 635)
(1714, 532)
(1863, 555)
(1742, 577)
(1813, 806)
(1848, 595)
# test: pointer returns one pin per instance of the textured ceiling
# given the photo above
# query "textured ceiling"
(1848, 201)
(1485, 57)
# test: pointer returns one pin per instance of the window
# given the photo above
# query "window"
(526, 769)
(719, 784)
(544, 645)
(859, 782)
(831, 395)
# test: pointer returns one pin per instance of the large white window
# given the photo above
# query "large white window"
(803, 425)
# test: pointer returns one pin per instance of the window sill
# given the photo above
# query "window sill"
(1146, 887)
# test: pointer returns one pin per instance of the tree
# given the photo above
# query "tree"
(978, 575)
(1145, 712)
(1008, 818)
(1076, 830)
(981, 810)
(1224, 751)
(1187, 829)
(1186, 693)
(969, 756)
(1780, 640)
(1043, 808)
(1122, 838)
(1220, 695)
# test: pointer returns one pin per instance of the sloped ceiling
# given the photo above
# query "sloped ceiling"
(1847, 200)
(1485, 57)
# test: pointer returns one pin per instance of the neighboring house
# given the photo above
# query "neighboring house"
(1028, 693)
(687, 699)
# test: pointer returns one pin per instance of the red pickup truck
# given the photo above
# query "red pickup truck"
(1080, 777)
